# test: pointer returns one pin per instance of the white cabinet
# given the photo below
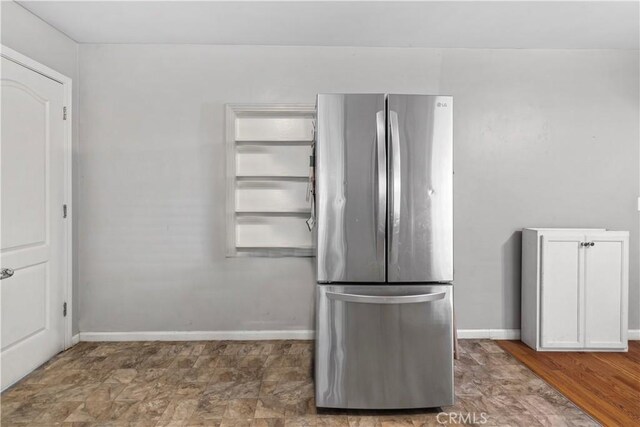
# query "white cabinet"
(574, 289)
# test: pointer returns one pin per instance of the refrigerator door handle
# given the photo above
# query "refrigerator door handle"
(397, 187)
(384, 299)
(381, 207)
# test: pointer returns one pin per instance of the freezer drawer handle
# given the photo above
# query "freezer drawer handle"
(377, 299)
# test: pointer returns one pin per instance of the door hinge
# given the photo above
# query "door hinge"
(64, 113)
(64, 309)
(64, 211)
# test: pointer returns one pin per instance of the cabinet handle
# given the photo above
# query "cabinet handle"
(584, 244)
(592, 244)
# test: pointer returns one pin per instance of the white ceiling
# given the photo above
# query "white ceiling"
(443, 24)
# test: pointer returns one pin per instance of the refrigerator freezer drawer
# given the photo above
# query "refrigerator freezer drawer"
(384, 347)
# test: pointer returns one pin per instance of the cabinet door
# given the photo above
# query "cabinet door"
(562, 294)
(606, 283)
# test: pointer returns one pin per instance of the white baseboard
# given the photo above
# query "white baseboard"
(514, 334)
(497, 334)
(75, 339)
(492, 334)
(197, 335)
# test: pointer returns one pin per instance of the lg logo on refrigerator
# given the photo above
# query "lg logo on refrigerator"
(441, 104)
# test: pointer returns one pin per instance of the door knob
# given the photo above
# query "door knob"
(6, 273)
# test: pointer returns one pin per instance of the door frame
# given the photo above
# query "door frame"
(67, 285)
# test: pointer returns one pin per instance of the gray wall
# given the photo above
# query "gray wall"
(25, 33)
(542, 138)
(545, 138)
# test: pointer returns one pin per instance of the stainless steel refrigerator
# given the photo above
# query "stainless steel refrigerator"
(384, 208)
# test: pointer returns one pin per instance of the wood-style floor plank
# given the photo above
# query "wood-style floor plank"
(605, 385)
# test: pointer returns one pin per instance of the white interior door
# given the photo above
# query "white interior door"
(562, 291)
(606, 283)
(32, 228)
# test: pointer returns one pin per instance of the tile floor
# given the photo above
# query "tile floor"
(256, 383)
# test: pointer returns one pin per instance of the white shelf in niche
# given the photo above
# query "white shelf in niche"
(268, 148)
(272, 196)
(274, 160)
(305, 214)
(273, 142)
(273, 252)
(272, 231)
(271, 178)
(280, 125)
